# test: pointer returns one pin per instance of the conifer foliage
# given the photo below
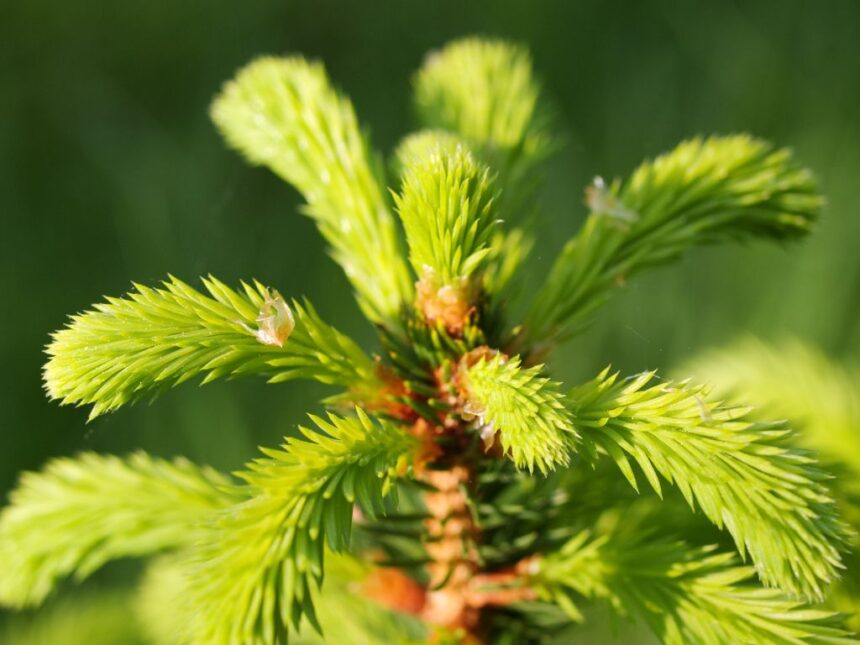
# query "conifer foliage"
(454, 492)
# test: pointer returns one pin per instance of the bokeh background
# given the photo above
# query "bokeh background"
(110, 171)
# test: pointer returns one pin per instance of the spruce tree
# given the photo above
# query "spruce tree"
(454, 491)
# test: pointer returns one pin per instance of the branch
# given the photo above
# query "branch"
(77, 514)
(445, 205)
(253, 572)
(484, 90)
(793, 380)
(446, 208)
(348, 607)
(525, 409)
(283, 113)
(127, 348)
(704, 191)
(821, 397)
(685, 594)
(741, 474)
(507, 248)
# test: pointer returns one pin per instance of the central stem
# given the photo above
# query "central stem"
(451, 549)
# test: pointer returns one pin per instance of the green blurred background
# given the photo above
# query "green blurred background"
(110, 170)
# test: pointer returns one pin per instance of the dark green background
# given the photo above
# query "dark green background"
(111, 171)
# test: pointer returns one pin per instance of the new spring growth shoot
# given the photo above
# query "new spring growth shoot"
(486, 94)
(704, 191)
(792, 379)
(445, 205)
(525, 409)
(485, 91)
(155, 338)
(283, 113)
(455, 492)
